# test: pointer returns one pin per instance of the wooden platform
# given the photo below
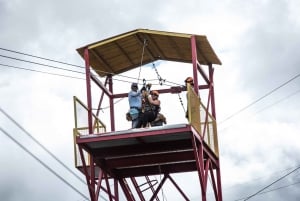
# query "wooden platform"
(145, 151)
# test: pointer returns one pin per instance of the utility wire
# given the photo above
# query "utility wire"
(256, 180)
(278, 101)
(16, 67)
(272, 183)
(41, 145)
(50, 66)
(41, 64)
(43, 164)
(10, 66)
(274, 189)
(231, 116)
(269, 106)
(259, 99)
(280, 187)
(74, 65)
(56, 74)
(239, 111)
(65, 63)
(30, 55)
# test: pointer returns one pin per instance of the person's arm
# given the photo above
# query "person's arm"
(153, 102)
(134, 93)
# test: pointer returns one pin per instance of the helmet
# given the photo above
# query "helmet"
(189, 80)
(134, 85)
(154, 92)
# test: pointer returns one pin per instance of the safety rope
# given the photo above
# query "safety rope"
(160, 80)
(181, 102)
(142, 58)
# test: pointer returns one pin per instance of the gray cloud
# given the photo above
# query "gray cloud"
(258, 42)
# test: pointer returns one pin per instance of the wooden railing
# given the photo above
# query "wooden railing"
(81, 128)
(201, 120)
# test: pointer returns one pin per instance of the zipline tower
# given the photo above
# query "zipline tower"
(112, 159)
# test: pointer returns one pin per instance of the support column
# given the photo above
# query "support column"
(90, 113)
(111, 103)
(88, 89)
(195, 63)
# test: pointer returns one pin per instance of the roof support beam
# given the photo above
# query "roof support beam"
(124, 53)
(204, 76)
(143, 42)
(99, 83)
(107, 67)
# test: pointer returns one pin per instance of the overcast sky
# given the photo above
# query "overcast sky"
(257, 89)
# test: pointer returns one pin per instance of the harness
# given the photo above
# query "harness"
(150, 107)
(135, 108)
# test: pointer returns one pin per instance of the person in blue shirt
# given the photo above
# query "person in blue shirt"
(135, 104)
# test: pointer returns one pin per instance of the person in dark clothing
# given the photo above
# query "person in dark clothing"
(159, 120)
(150, 109)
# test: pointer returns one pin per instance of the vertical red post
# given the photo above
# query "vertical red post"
(212, 91)
(88, 88)
(90, 114)
(213, 112)
(111, 103)
(219, 184)
(195, 63)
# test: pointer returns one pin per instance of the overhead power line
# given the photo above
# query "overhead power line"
(278, 101)
(30, 55)
(274, 189)
(259, 99)
(52, 60)
(65, 63)
(37, 71)
(56, 61)
(42, 163)
(41, 145)
(254, 194)
(41, 64)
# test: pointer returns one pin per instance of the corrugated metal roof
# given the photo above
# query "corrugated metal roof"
(124, 52)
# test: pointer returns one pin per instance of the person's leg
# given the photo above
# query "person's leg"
(140, 120)
(134, 120)
(135, 123)
(145, 119)
(150, 116)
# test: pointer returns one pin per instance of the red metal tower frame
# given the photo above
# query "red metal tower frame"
(123, 156)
